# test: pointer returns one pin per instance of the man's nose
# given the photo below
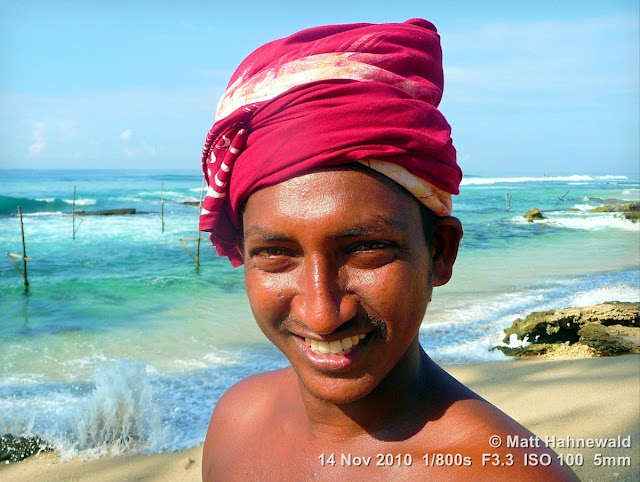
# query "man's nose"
(322, 301)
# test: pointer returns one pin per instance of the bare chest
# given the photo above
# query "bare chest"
(275, 456)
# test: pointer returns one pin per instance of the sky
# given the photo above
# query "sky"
(531, 87)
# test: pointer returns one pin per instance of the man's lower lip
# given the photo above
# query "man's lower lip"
(332, 361)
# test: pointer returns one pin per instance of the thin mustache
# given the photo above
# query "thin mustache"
(360, 321)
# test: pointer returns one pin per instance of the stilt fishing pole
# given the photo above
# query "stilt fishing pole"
(196, 258)
(23, 256)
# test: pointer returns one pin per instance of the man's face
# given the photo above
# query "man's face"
(335, 258)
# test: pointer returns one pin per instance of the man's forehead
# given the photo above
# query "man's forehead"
(371, 225)
(358, 200)
(345, 180)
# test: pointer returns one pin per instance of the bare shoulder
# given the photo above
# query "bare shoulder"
(499, 447)
(238, 418)
(483, 443)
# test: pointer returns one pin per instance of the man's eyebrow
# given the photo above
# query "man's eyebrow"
(264, 234)
(374, 225)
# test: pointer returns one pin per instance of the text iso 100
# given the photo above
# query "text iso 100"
(446, 460)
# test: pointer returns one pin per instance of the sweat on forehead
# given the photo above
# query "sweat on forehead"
(302, 198)
(325, 97)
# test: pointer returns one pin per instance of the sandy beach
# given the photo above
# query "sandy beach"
(559, 400)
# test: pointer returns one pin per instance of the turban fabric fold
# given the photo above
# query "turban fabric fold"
(330, 96)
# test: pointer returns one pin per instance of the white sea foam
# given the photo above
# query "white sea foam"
(603, 221)
(44, 213)
(581, 221)
(46, 199)
(81, 202)
(118, 415)
(133, 199)
(583, 207)
(610, 177)
(626, 293)
(206, 361)
(468, 333)
(471, 181)
(186, 199)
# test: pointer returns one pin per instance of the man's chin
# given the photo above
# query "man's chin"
(339, 391)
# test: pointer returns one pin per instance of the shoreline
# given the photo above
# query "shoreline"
(564, 399)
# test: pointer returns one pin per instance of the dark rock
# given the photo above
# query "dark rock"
(631, 207)
(190, 203)
(603, 209)
(610, 340)
(631, 212)
(534, 215)
(113, 212)
(611, 328)
(15, 449)
(109, 212)
(564, 350)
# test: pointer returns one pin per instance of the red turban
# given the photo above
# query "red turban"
(329, 96)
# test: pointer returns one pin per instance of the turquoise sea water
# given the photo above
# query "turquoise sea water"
(120, 345)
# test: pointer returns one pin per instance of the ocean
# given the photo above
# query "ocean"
(121, 345)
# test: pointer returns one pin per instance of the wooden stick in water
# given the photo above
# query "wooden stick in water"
(73, 212)
(24, 250)
(162, 205)
(23, 256)
(199, 211)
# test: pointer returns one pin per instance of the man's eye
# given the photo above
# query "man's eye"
(270, 252)
(369, 246)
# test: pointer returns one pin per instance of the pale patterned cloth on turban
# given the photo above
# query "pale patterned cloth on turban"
(330, 96)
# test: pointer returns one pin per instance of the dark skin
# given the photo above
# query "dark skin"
(323, 264)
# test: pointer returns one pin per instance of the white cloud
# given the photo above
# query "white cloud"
(39, 142)
(187, 25)
(125, 135)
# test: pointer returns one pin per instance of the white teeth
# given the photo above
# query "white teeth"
(336, 347)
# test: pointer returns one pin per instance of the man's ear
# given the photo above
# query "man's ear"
(447, 233)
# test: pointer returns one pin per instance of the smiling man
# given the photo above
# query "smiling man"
(330, 173)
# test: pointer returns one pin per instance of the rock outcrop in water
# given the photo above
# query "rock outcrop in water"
(608, 329)
(107, 212)
(534, 215)
(630, 211)
(15, 449)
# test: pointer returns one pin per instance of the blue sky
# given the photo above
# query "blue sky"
(533, 87)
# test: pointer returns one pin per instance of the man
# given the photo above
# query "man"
(331, 173)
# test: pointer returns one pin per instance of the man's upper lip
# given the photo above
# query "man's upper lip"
(333, 336)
